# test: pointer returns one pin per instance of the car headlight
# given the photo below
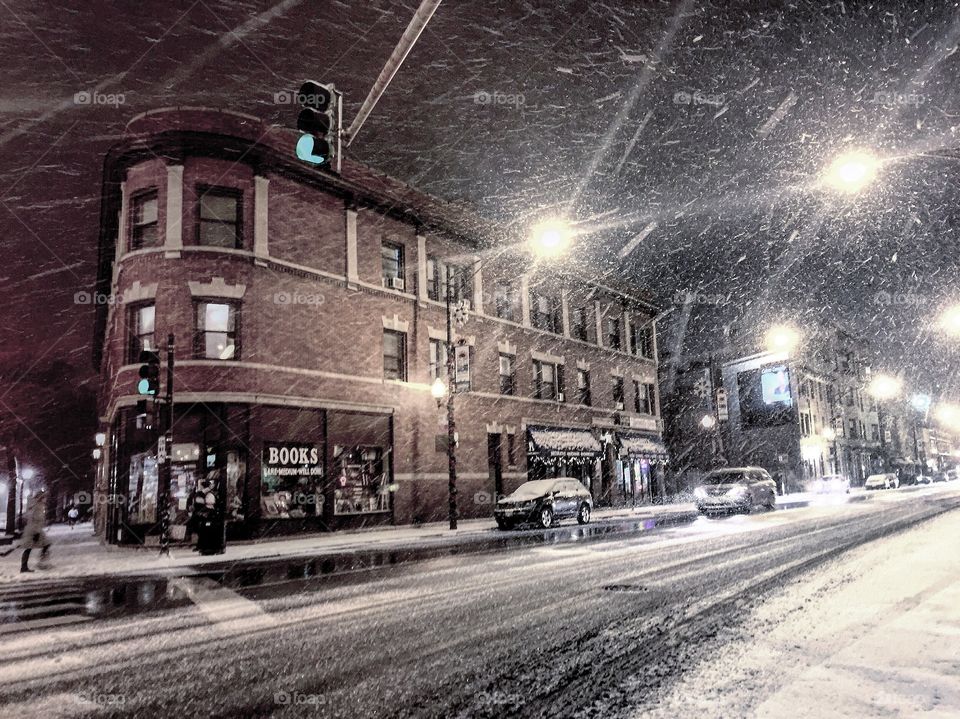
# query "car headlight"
(700, 493)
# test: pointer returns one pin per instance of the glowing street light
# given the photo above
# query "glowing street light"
(950, 321)
(883, 387)
(551, 238)
(782, 338)
(438, 390)
(948, 415)
(708, 421)
(920, 402)
(27, 473)
(829, 434)
(100, 438)
(852, 171)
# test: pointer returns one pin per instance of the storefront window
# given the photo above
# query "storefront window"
(183, 478)
(361, 484)
(142, 489)
(291, 485)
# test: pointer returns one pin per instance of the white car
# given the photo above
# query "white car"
(831, 484)
(882, 481)
(735, 489)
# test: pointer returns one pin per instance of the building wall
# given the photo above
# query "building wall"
(311, 323)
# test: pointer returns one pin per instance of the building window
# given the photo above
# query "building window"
(649, 405)
(512, 450)
(394, 355)
(578, 324)
(440, 276)
(545, 379)
(618, 392)
(391, 262)
(438, 359)
(505, 299)
(545, 313)
(642, 339)
(216, 335)
(583, 387)
(613, 332)
(143, 225)
(219, 222)
(853, 429)
(140, 321)
(507, 375)
(637, 396)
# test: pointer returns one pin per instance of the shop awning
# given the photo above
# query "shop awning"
(638, 446)
(564, 443)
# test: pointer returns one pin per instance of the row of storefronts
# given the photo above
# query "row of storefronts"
(282, 470)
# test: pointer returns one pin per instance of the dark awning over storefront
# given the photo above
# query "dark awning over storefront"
(555, 442)
(642, 446)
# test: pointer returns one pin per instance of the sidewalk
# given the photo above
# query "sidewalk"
(77, 553)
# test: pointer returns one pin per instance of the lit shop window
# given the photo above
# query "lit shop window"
(143, 225)
(216, 331)
(361, 485)
(142, 489)
(291, 484)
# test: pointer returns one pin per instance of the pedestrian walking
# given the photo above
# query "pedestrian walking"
(34, 536)
(72, 516)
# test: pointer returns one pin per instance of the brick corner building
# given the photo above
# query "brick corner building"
(309, 323)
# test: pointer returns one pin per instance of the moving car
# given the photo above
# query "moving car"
(543, 501)
(924, 479)
(952, 474)
(735, 489)
(940, 477)
(882, 481)
(831, 484)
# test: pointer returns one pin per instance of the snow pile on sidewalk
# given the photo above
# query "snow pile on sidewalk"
(874, 633)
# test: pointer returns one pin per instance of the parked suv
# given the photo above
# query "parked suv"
(735, 489)
(543, 501)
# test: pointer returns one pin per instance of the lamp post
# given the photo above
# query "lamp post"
(26, 474)
(883, 388)
(549, 239)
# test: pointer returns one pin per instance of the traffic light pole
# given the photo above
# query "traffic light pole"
(163, 499)
(451, 422)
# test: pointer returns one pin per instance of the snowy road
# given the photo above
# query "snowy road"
(614, 628)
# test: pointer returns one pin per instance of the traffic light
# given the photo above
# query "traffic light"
(149, 382)
(318, 122)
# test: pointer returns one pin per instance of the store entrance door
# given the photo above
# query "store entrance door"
(495, 463)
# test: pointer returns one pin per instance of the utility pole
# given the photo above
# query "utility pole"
(451, 421)
(163, 455)
(11, 488)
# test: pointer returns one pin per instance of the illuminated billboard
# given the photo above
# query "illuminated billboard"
(765, 396)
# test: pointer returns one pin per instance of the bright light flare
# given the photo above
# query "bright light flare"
(950, 321)
(708, 421)
(551, 238)
(883, 387)
(948, 415)
(852, 171)
(782, 338)
(438, 389)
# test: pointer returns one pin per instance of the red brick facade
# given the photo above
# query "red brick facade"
(306, 278)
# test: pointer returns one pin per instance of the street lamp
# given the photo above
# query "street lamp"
(950, 321)
(782, 338)
(884, 387)
(551, 238)
(100, 438)
(438, 390)
(26, 474)
(852, 171)
(708, 421)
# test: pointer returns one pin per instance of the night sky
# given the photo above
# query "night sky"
(702, 126)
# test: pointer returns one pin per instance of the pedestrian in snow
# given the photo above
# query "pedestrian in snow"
(72, 516)
(34, 536)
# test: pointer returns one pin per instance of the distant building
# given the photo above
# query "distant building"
(310, 322)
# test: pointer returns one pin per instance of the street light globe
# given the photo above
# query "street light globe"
(782, 338)
(27, 473)
(438, 389)
(950, 321)
(852, 171)
(100, 438)
(884, 387)
(97, 453)
(550, 238)
(829, 434)
(948, 415)
(708, 421)
(920, 402)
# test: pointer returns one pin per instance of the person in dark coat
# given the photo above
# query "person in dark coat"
(34, 534)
